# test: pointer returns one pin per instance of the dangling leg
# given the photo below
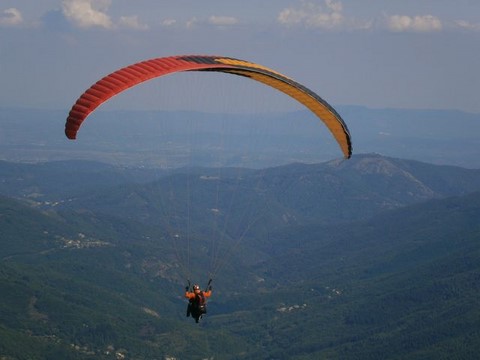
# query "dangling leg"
(196, 315)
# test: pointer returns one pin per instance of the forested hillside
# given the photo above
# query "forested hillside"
(97, 275)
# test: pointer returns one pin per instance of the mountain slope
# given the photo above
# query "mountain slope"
(53, 181)
(403, 284)
(330, 192)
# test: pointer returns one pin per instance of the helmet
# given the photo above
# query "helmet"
(196, 287)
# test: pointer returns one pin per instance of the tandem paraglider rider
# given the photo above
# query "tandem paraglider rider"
(197, 300)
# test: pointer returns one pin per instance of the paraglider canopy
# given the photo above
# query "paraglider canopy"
(135, 74)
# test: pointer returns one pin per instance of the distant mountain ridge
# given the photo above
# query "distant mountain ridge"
(334, 191)
(444, 137)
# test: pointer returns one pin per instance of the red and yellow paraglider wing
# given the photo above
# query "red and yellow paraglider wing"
(135, 74)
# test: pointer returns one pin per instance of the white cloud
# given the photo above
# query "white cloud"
(192, 22)
(132, 22)
(328, 16)
(312, 15)
(424, 23)
(11, 17)
(212, 20)
(88, 13)
(222, 20)
(169, 22)
(468, 25)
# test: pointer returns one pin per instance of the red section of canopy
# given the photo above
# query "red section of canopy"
(128, 77)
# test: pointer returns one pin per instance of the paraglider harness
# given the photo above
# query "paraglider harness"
(198, 305)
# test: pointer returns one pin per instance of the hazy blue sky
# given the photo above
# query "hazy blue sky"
(376, 53)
